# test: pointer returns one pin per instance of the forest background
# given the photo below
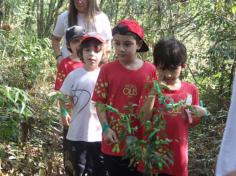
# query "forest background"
(30, 133)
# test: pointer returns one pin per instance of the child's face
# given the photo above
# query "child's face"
(74, 45)
(169, 76)
(92, 56)
(126, 47)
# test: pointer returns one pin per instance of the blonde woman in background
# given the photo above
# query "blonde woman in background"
(86, 14)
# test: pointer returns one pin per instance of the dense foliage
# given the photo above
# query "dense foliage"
(29, 126)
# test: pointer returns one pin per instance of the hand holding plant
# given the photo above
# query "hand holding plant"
(65, 120)
(110, 136)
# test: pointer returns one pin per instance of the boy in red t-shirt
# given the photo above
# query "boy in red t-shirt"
(170, 59)
(73, 38)
(120, 84)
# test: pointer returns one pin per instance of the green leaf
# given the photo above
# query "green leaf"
(234, 9)
(23, 105)
(111, 109)
(153, 134)
(16, 96)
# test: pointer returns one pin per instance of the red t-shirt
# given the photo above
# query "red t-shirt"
(120, 87)
(65, 67)
(177, 129)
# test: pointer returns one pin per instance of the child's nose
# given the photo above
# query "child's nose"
(168, 75)
(92, 53)
(121, 48)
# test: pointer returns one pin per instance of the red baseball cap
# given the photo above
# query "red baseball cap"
(93, 35)
(134, 27)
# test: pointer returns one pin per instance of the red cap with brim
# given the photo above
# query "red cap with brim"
(135, 28)
(93, 35)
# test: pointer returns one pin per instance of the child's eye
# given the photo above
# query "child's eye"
(173, 67)
(87, 49)
(116, 44)
(93, 48)
(97, 49)
(76, 40)
(128, 44)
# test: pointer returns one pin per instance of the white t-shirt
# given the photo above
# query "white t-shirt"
(85, 125)
(101, 25)
(226, 161)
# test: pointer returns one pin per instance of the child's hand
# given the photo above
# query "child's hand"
(66, 120)
(110, 136)
(193, 113)
(198, 111)
(153, 92)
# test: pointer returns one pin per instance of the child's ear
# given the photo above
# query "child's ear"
(105, 55)
(68, 46)
(139, 43)
(184, 66)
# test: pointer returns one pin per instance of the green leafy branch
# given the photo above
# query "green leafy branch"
(14, 109)
(152, 150)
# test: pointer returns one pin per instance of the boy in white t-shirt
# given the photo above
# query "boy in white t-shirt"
(85, 132)
(73, 39)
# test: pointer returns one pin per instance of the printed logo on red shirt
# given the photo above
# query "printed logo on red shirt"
(130, 90)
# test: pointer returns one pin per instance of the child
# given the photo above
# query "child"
(73, 37)
(170, 59)
(119, 84)
(226, 162)
(85, 132)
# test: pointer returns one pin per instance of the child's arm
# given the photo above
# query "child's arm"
(195, 112)
(148, 105)
(108, 134)
(199, 111)
(65, 116)
(66, 97)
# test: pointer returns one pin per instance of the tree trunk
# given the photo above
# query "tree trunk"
(40, 18)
